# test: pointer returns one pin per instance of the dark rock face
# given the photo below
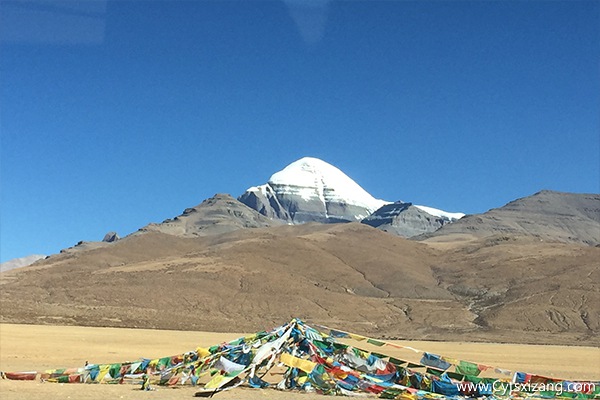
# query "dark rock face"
(266, 203)
(404, 219)
(275, 201)
(111, 237)
(547, 215)
(218, 214)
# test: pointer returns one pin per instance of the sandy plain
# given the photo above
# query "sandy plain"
(40, 347)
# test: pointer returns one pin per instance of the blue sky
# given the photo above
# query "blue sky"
(115, 114)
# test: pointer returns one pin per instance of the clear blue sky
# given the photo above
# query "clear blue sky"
(116, 114)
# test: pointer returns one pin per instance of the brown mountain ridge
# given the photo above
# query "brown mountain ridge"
(546, 215)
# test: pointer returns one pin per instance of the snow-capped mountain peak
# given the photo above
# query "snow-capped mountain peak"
(311, 177)
(308, 190)
(311, 189)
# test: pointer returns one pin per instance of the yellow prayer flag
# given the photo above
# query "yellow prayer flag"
(452, 361)
(295, 362)
(217, 381)
(357, 337)
(103, 371)
(250, 338)
(202, 352)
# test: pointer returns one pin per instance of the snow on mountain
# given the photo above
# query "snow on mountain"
(310, 177)
(452, 216)
(308, 190)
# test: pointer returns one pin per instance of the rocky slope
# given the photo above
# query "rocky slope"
(546, 215)
(405, 219)
(218, 214)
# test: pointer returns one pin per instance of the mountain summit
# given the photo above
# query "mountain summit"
(310, 190)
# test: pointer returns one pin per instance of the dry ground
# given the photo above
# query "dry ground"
(34, 347)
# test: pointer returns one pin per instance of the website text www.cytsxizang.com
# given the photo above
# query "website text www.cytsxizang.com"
(502, 388)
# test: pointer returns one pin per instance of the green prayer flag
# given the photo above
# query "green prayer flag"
(390, 393)
(397, 361)
(321, 345)
(455, 376)
(213, 349)
(433, 371)
(375, 342)
(571, 395)
(163, 362)
(468, 368)
(339, 346)
(360, 352)
(115, 371)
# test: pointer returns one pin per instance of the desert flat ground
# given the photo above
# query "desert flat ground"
(40, 347)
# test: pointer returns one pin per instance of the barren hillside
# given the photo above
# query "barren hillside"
(348, 275)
